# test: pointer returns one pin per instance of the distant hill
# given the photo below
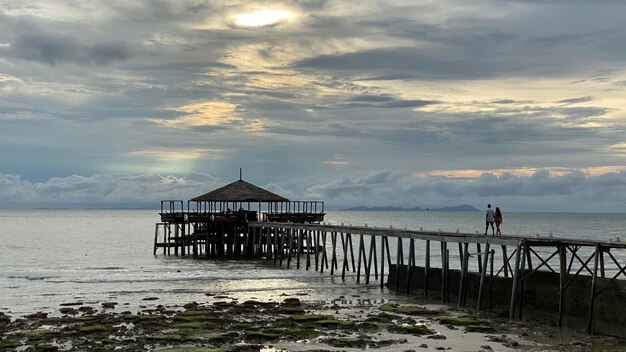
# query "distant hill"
(383, 209)
(464, 207)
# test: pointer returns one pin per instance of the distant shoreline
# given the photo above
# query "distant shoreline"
(463, 207)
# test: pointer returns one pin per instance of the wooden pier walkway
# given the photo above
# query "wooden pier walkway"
(368, 253)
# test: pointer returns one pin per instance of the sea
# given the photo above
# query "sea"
(51, 257)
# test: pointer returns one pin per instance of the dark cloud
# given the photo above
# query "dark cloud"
(576, 100)
(34, 44)
(384, 101)
(412, 60)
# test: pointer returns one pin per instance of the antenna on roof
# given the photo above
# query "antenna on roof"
(240, 178)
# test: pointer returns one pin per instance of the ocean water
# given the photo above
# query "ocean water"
(49, 257)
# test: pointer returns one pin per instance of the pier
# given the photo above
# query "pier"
(564, 275)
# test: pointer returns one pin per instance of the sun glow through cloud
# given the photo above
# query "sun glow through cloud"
(263, 18)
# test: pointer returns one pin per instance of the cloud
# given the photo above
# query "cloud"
(102, 190)
(384, 101)
(34, 44)
(576, 100)
(542, 190)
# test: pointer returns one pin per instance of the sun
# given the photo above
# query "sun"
(263, 18)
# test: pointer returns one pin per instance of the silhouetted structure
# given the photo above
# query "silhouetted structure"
(216, 222)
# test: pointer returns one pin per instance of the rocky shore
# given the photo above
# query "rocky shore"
(223, 323)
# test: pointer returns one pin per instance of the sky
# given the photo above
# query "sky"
(122, 103)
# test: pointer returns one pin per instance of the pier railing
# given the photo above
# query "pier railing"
(288, 211)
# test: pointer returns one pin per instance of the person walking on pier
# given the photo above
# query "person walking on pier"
(498, 221)
(489, 218)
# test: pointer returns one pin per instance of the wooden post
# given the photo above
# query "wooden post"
(282, 246)
(169, 225)
(260, 251)
(324, 259)
(276, 251)
(466, 256)
(299, 234)
(410, 264)
(290, 233)
(505, 261)
(515, 278)
(183, 240)
(194, 238)
(270, 235)
(446, 294)
(401, 247)
(317, 249)
(358, 272)
(387, 249)
(372, 252)
(166, 239)
(426, 268)
(443, 271)
(521, 282)
(462, 279)
(325, 256)
(252, 246)
(382, 261)
(480, 261)
(351, 248)
(308, 249)
(562, 278)
(398, 255)
(530, 263)
(601, 263)
(593, 288)
(493, 253)
(483, 273)
(156, 238)
(333, 261)
(344, 241)
(363, 254)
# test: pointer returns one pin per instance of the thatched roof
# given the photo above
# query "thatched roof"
(240, 191)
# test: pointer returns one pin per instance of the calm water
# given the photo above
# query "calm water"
(52, 257)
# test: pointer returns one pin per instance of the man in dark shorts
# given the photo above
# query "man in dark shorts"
(489, 219)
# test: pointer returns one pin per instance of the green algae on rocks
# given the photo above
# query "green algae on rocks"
(408, 309)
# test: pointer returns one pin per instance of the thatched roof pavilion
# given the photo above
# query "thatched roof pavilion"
(240, 191)
(238, 200)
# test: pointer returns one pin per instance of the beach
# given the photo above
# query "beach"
(291, 322)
